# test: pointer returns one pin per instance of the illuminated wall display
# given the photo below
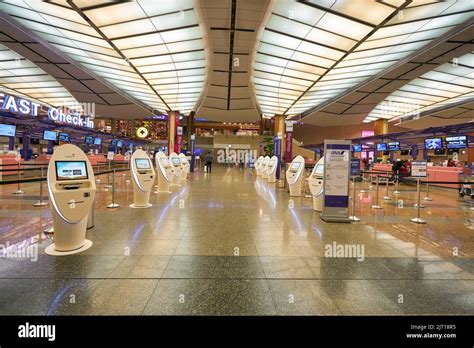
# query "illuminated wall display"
(27, 107)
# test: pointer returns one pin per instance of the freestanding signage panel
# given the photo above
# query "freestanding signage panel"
(184, 166)
(316, 185)
(294, 175)
(272, 169)
(336, 180)
(143, 176)
(165, 172)
(263, 167)
(177, 168)
(71, 187)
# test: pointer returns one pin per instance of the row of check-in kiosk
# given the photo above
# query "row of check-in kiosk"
(266, 167)
(72, 189)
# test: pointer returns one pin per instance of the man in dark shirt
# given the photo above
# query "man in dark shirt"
(208, 160)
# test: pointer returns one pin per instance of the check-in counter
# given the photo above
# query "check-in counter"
(436, 173)
(96, 159)
(10, 159)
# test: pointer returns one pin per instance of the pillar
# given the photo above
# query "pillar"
(279, 133)
(26, 146)
(11, 143)
(173, 122)
(380, 127)
(113, 126)
(189, 129)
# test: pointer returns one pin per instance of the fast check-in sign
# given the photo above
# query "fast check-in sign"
(419, 169)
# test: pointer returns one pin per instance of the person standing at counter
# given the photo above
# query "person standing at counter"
(451, 163)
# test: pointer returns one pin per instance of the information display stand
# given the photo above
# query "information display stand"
(164, 172)
(294, 176)
(72, 189)
(258, 165)
(177, 168)
(271, 169)
(143, 178)
(184, 166)
(263, 167)
(316, 185)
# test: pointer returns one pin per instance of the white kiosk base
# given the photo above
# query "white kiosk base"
(51, 249)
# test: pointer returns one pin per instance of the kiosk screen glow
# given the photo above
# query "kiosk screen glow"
(71, 170)
(142, 163)
(176, 161)
(165, 162)
(183, 160)
(295, 166)
(319, 169)
(7, 130)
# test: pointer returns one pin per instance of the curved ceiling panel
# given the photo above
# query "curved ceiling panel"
(150, 50)
(21, 77)
(449, 84)
(311, 52)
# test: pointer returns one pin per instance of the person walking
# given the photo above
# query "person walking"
(208, 159)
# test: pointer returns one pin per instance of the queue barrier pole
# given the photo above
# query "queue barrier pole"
(113, 204)
(418, 219)
(396, 192)
(377, 206)
(386, 197)
(427, 198)
(353, 217)
(19, 191)
(40, 203)
(364, 179)
(108, 179)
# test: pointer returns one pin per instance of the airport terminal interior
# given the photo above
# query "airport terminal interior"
(237, 157)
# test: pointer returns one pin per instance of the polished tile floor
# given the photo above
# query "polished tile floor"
(228, 243)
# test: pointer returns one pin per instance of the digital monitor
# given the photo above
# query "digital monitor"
(34, 141)
(357, 148)
(64, 137)
(295, 165)
(183, 160)
(50, 135)
(7, 130)
(71, 170)
(440, 152)
(452, 151)
(457, 142)
(142, 163)
(89, 140)
(381, 147)
(386, 153)
(433, 143)
(165, 162)
(404, 152)
(113, 142)
(97, 141)
(119, 143)
(175, 161)
(319, 169)
(394, 146)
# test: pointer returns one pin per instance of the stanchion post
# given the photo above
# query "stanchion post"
(427, 198)
(397, 179)
(377, 206)
(18, 191)
(418, 219)
(40, 203)
(353, 217)
(113, 204)
(363, 183)
(386, 197)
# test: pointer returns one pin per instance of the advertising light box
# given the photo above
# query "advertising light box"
(71, 170)
(50, 135)
(7, 130)
(142, 163)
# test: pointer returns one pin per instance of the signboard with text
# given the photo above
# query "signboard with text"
(419, 169)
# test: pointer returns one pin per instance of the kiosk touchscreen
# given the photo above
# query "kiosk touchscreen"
(271, 169)
(258, 165)
(184, 166)
(165, 172)
(143, 176)
(263, 167)
(294, 176)
(71, 187)
(177, 168)
(316, 185)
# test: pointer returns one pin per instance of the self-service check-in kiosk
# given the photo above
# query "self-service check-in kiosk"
(294, 176)
(271, 169)
(177, 167)
(263, 167)
(143, 176)
(258, 165)
(165, 172)
(71, 187)
(184, 166)
(316, 185)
